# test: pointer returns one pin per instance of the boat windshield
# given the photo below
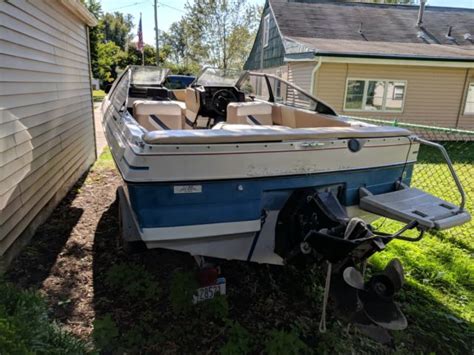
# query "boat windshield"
(148, 76)
(218, 77)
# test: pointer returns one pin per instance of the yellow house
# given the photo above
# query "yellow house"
(405, 62)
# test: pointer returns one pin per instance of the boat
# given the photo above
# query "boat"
(248, 166)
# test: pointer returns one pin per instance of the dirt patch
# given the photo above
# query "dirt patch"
(59, 260)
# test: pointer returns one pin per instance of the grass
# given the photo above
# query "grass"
(26, 329)
(439, 269)
(104, 163)
(105, 160)
(98, 95)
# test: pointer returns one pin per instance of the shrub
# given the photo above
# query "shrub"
(216, 308)
(105, 333)
(183, 287)
(284, 343)
(239, 341)
(134, 281)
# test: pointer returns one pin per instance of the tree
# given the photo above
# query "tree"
(220, 31)
(95, 36)
(134, 57)
(177, 41)
(117, 28)
(183, 69)
(110, 56)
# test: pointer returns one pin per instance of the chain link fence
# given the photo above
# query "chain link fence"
(431, 173)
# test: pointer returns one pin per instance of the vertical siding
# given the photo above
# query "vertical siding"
(433, 94)
(46, 125)
(330, 84)
(300, 74)
(273, 53)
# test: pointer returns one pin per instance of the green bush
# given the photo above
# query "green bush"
(284, 343)
(183, 287)
(26, 329)
(134, 281)
(216, 308)
(105, 333)
(239, 341)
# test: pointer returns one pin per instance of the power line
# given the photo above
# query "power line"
(171, 7)
(142, 2)
(129, 5)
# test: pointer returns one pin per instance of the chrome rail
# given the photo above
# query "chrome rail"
(450, 166)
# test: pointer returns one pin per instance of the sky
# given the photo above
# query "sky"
(170, 11)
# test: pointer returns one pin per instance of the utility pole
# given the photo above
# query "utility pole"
(156, 34)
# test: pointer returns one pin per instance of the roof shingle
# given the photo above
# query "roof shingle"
(333, 27)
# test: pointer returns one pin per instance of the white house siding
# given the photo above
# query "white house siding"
(46, 115)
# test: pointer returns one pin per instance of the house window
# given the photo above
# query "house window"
(469, 105)
(374, 95)
(266, 30)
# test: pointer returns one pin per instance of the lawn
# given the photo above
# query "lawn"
(120, 303)
(439, 297)
(98, 95)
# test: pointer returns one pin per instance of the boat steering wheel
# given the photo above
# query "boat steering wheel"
(221, 99)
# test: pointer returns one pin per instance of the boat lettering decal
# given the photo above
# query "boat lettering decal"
(187, 189)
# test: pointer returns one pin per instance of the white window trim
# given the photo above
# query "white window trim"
(266, 30)
(465, 100)
(364, 98)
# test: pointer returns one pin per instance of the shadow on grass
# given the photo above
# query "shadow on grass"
(432, 327)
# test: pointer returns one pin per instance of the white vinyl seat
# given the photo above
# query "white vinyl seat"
(252, 113)
(192, 105)
(158, 115)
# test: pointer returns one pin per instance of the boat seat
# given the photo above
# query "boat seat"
(252, 113)
(158, 115)
(192, 103)
(302, 118)
(180, 94)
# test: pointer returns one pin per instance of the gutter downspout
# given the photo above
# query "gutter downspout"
(313, 76)
(463, 102)
(89, 60)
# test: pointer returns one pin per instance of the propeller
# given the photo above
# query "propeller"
(376, 295)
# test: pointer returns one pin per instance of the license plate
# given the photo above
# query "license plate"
(209, 292)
